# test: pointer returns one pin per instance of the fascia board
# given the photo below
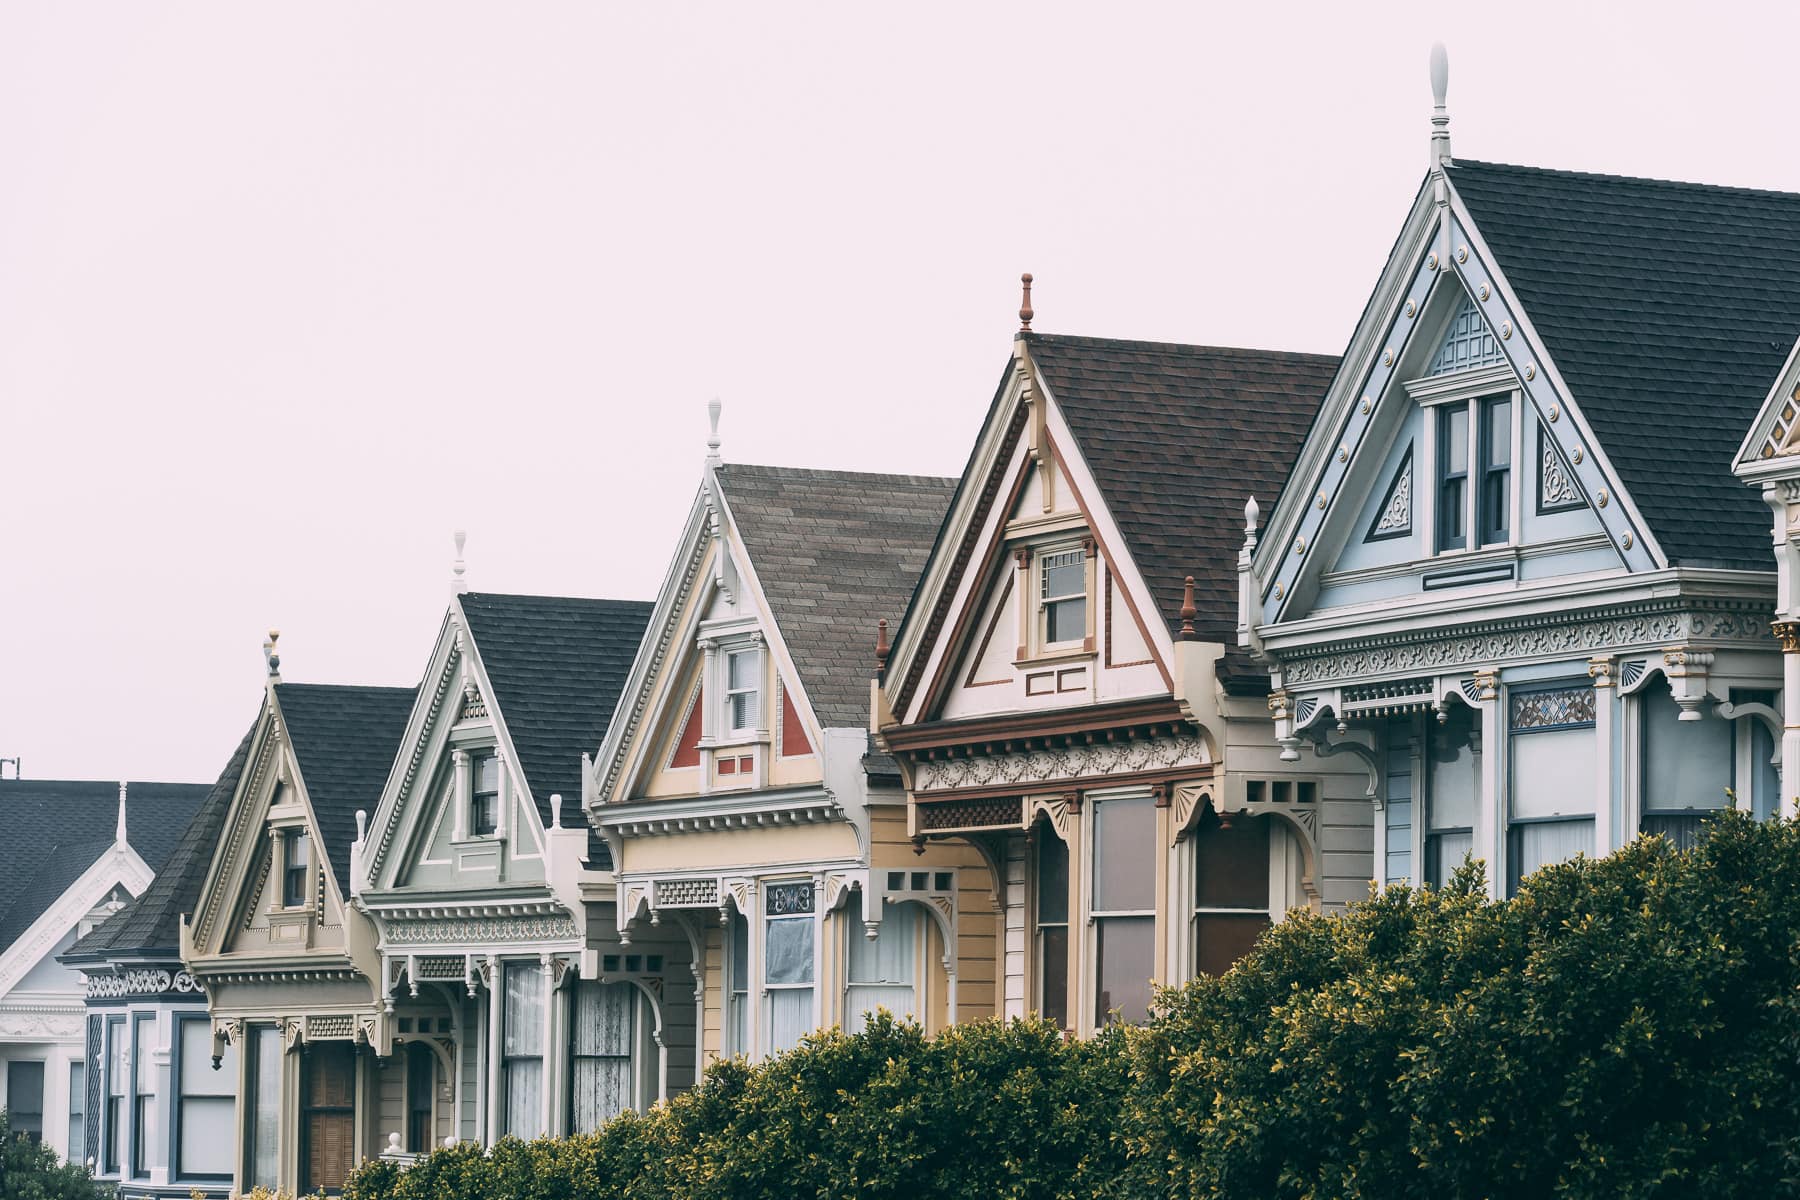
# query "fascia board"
(614, 760)
(224, 873)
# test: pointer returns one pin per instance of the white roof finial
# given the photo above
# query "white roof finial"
(712, 440)
(457, 583)
(271, 656)
(1440, 116)
(119, 833)
(1251, 512)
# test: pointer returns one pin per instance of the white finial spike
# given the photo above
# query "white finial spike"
(362, 824)
(1251, 512)
(1440, 116)
(556, 810)
(119, 833)
(459, 567)
(712, 440)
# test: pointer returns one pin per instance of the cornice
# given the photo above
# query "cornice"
(721, 811)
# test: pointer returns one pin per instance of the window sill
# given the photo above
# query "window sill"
(1074, 652)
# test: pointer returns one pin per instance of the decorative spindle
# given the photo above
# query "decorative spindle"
(1440, 115)
(1025, 313)
(458, 568)
(1188, 611)
(881, 644)
(712, 439)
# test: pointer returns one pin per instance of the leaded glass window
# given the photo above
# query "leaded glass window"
(788, 969)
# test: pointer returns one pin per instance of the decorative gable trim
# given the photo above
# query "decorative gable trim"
(1468, 343)
(230, 862)
(1395, 517)
(119, 865)
(1556, 490)
(1775, 434)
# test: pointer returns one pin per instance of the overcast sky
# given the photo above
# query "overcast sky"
(288, 293)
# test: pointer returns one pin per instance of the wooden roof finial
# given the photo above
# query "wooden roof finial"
(1025, 313)
(881, 645)
(1188, 611)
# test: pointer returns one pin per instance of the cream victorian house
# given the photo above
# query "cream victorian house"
(737, 785)
(1511, 555)
(1062, 697)
(516, 1007)
(290, 968)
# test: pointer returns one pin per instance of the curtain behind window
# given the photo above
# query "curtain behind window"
(600, 1045)
(882, 973)
(523, 1049)
(206, 1114)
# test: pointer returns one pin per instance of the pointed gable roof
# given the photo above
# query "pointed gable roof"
(55, 829)
(835, 551)
(1177, 438)
(557, 665)
(1668, 308)
(344, 739)
(151, 924)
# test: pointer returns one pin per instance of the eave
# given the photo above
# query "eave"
(1052, 728)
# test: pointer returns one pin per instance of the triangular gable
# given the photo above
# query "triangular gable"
(1775, 434)
(119, 867)
(1440, 248)
(966, 629)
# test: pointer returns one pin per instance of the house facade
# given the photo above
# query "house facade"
(737, 785)
(159, 1114)
(72, 853)
(512, 998)
(1063, 698)
(1511, 557)
(289, 965)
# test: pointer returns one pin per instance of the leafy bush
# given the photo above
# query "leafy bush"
(32, 1171)
(1627, 1027)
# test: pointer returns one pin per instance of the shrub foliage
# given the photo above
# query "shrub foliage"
(1626, 1027)
(30, 1170)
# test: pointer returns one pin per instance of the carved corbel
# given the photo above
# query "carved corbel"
(1371, 761)
(1686, 671)
(1189, 800)
(1281, 707)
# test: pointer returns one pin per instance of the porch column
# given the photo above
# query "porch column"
(1490, 799)
(1600, 670)
(1168, 917)
(1788, 633)
(495, 1096)
(1081, 926)
(547, 1092)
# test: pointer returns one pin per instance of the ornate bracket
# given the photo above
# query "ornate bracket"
(1371, 761)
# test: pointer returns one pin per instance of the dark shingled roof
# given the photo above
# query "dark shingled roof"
(1178, 437)
(345, 739)
(151, 924)
(1669, 308)
(557, 665)
(836, 551)
(51, 831)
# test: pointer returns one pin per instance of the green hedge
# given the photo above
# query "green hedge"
(1627, 1027)
(30, 1170)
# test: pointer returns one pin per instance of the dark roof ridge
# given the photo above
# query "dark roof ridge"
(836, 473)
(34, 781)
(1188, 347)
(550, 596)
(1643, 180)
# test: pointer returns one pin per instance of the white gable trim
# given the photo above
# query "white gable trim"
(119, 864)
(1751, 465)
(390, 826)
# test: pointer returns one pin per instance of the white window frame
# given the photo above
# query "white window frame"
(728, 717)
(1084, 1005)
(1471, 388)
(1041, 564)
(765, 1016)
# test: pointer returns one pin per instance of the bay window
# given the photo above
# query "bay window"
(1232, 899)
(881, 972)
(788, 968)
(1686, 768)
(1450, 790)
(264, 1091)
(600, 1045)
(1124, 907)
(1052, 927)
(737, 1003)
(118, 1059)
(25, 1098)
(1551, 740)
(143, 1095)
(205, 1102)
(522, 1049)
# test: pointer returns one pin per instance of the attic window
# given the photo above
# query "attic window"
(741, 691)
(1063, 594)
(296, 873)
(1468, 343)
(484, 798)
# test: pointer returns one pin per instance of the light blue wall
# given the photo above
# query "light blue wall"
(1357, 552)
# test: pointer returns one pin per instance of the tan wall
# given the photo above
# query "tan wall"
(800, 845)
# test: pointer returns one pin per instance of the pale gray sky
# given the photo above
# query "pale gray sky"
(287, 293)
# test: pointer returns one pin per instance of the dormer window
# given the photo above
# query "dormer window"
(484, 796)
(1485, 442)
(743, 690)
(1062, 596)
(296, 874)
(1453, 477)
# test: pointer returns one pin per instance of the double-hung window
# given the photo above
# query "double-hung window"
(1550, 734)
(143, 1095)
(788, 972)
(484, 795)
(1486, 444)
(737, 1004)
(205, 1104)
(327, 1116)
(1686, 768)
(118, 1059)
(881, 971)
(600, 1075)
(25, 1098)
(265, 1100)
(522, 1049)
(1052, 928)
(1450, 789)
(1494, 502)
(1453, 477)
(421, 1079)
(296, 872)
(1062, 596)
(77, 1149)
(743, 689)
(1124, 907)
(1231, 890)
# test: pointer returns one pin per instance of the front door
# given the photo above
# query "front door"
(328, 1116)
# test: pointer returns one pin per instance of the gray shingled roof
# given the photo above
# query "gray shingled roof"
(345, 739)
(557, 665)
(1178, 437)
(151, 924)
(835, 552)
(54, 830)
(1669, 308)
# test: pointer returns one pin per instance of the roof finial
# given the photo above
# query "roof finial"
(1440, 116)
(458, 584)
(1025, 313)
(1251, 512)
(272, 658)
(881, 645)
(1188, 611)
(712, 441)
(119, 833)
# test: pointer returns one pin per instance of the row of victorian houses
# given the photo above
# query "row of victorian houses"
(1198, 637)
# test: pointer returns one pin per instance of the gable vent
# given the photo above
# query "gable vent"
(1469, 343)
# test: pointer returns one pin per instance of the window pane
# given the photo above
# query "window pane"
(1052, 877)
(603, 1014)
(1124, 846)
(1223, 938)
(1687, 764)
(146, 1136)
(25, 1098)
(600, 1089)
(1053, 975)
(421, 1082)
(207, 1125)
(1232, 866)
(740, 952)
(524, 1013)
(198, 1078)
(487, 774)
(1444, 852)
(524, 1087)
(790, 1017)
(1553, 773)
(789, 952)
(743, 710)
(741, 669)
(1452, 783)
(76, 1150)
(266, 1127)
(1126, 953)
(881, 972)
(1498, 434)
(1453, 440)
(1066, 620)
(1539, 843)
(1065, 574)
(1765, 781)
